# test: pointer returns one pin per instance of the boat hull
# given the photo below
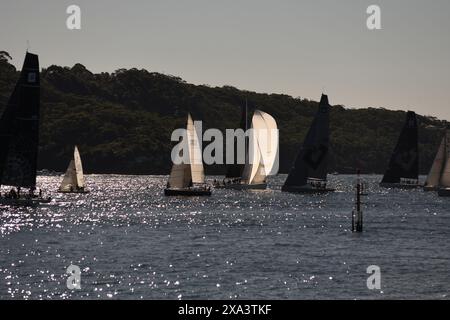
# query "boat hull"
(444, 192)
(425, 188)
(399, 186)
(187, 192)
(243, 186)
(23, 202)
(82, 192)
(306, 190)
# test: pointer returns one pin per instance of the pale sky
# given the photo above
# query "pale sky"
(296, 47)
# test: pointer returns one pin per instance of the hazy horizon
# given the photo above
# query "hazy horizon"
(298, 48)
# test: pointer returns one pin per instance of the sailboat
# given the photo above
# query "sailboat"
(439, 177)
(260, 156)
(403, 169)
(188, 179)
(19, 138)
(73, 181)
(309, 173)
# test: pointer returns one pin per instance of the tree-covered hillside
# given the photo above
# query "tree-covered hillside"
(122, 121)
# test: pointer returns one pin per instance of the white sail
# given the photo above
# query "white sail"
(434, 175)
(185, 174)
(180, 176)
(195, 153)
(445, 175)
(260, 174)
(254, 157)
(267, 136)
(69, 181)
(78, 168)
(74, 178)
(263, 148)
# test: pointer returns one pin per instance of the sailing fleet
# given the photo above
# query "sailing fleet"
(19, 140)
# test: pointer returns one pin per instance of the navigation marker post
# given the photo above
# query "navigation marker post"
(357, 216)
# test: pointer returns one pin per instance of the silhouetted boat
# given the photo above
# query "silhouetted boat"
(188, 179)
(73, 181)
(19, 138)
(309, 173)
(403, 169)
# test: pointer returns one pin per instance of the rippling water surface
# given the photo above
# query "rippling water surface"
(131, 242)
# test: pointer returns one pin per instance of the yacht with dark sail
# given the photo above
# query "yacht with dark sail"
(73, 181)
(309, 173)
(19, 138)
(188, 178)
(403, 168)
(439, 177)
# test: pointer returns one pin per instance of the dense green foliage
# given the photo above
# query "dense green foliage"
(122, 121)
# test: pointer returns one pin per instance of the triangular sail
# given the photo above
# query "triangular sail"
(434, 176)
(445, 175)
(70, 178)
(78, 168)
(184, 175)
(404, 163)
(195, 153)
(19, 128)
(180, 176)
(312, 159)
(73, 178)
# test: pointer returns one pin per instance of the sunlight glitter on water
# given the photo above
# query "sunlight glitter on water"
(132, 242)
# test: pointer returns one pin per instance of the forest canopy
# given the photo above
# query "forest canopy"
(122, 121)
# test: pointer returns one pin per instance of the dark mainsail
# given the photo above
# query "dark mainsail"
(235, 170)
(405, 158)
(312, 159)
(19, 129)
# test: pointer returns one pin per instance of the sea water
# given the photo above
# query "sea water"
(132, 242)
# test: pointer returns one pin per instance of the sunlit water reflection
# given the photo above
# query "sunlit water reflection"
(132, 242)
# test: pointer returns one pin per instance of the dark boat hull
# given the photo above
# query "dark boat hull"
(399, 185)
(425, 188)
(23, 202)
(82, 192)
(243, 186)
(187, 192)
(444, 192)
(306, 190)
(219, 186)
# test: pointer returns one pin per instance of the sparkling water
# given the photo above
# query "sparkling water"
(132, 242)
